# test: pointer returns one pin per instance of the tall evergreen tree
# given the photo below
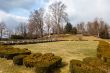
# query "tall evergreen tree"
(68, 28)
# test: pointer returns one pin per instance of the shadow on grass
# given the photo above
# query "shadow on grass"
(58, 69)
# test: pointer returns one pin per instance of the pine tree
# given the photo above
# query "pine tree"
(68, 28)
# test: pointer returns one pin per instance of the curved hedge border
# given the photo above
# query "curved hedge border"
(9, 52)
(93, 65)
(43, 63)
(103, 51)
(85, 66)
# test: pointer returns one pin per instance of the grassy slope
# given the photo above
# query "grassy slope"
(73, 37)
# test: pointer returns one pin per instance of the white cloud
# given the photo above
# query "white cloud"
(7, 5)
(11, 20)
(86, 10)
(78, 10)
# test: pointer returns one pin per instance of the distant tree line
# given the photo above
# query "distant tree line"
(54, 20)
(96, 28)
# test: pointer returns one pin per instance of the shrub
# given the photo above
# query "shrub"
(19, 59)
(103, 51)
(103, 46)
(92, 61)
(30, 60)
(10, 52)
(24, 52)
(46, 65)
(77, 66)
(47, 55)
(42, 63)
(7, 52)
(73, 64)
(17, 37)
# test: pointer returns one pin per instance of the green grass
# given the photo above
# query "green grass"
(66, 49)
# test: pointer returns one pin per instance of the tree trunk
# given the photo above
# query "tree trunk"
(1, 33)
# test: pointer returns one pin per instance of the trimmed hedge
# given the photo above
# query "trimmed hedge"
(9, 52)
(93, 65)
(46, 65)
(103, 51)
(43, 63)
(103, 47)
(18, 60)
(92, 61)
(48, 54)
(31, 60)
(73, 64)
(77, 66)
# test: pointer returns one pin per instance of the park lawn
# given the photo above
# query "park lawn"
(66, 49)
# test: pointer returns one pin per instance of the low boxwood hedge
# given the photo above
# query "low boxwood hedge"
(42, 63)
(9, 52)
(77, 66)
(103, 51)
(46, 65)
(18, 60)
(31, 60)
(93, 61)
(74, 64)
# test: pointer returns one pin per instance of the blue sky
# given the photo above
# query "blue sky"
(12, 12)
(15, 11)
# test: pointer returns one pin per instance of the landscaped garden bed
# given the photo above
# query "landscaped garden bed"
(100, 64)
(43, 63)
(87, 66)
(9, 52)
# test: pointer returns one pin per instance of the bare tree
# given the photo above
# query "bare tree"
(2, 28)
(9, 32)
(22, 29)
(89, 28)
(81, 27)
(31, 28)
(48, 22)
(104, 32)
(41, 21)
(59, 15)
(95, 27)
(36, 23)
